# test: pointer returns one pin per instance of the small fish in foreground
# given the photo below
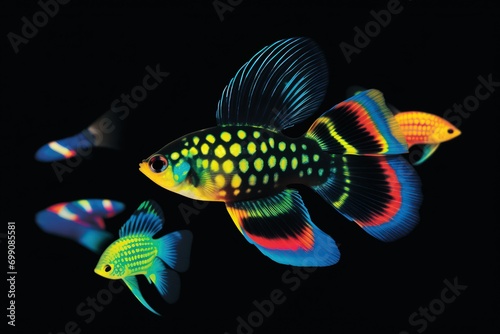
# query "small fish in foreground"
(81, 221)
(420, 128)
(351, 156)
(137, 252)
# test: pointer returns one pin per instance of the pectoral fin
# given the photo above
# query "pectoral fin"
(427, 151)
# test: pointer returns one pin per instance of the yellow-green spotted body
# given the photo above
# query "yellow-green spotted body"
(234, 163)
(130, 255)
(137, 252)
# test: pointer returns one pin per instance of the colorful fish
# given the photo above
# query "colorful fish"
(136, 252)
(81, 221)
(420, 128)
(351, 156)
(105, 131)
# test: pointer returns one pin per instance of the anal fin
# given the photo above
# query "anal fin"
(281, 228)
(133, 285)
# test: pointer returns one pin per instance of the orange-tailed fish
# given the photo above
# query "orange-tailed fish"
(351, 155)
(420, 128)
(81, 221)
(137, 252)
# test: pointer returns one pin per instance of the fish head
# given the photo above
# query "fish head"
(445, 131)
(172, 168)
(109, 265)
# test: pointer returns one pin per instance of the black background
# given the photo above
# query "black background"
(428, 58)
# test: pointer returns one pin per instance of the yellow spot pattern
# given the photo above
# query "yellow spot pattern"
(242, 134)
(252, 180)
(251, 148)
(281, 146)
(272, 161)
(283, 163)
(295, 162)
(271, 142)
(228, 166)
(243, 164)
(225, 136)
(210, 139)
(220, 181)
(220, 151)
(205, 148)
(263, 147)
(196, 140)
(236, 181)
(235, 149)
(258, 164)
(174, 155)
(214, 166)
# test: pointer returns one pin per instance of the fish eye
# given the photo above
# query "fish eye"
(107, 268)
(450, 131)
(157, 163)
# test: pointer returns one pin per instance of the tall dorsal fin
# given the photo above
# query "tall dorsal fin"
(146, 220)
(280, 86)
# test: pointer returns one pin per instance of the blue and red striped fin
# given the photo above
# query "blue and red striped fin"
(280, 86)
(360, 125)
(81, 221)
(382, 194)
(65, 148)
(281, 228)
(105, 131)
(355, 89)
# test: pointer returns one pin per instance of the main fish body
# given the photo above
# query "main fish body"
(234, 163)
(351, 156)
(130, 255)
